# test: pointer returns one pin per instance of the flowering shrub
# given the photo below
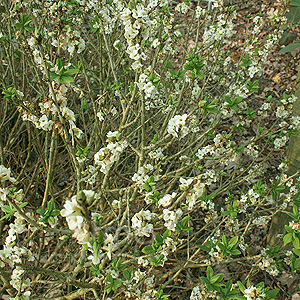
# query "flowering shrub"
(139, 152)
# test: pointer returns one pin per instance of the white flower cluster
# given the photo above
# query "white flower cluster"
(249, 199)
(147, 86)
(216, 32)
(185, 183)
(194, 194)
(37, 56)
(237, 90)
(209, 206)
(166, 200)
(40, 123)
(11, 253)
(199, 12)
(294, 225)
(168, 247)
(280, 142)
(18, 282)
(182, 7)
(289, 257)
(141, 222)
(91, 173)
(209, 149)
(215, 254)
(177, 127)
(210, 176)
(108, 245)
(156, 154)
(135, 22)
(133, 290)
(262, 220)
(61, 91)
(142, 175)
(68, 40)
(73, 213)
(258, 21)
(107, 156)
(281, 112)
(295, 122)
(5, 174)
(251, 293)
(200, 292)
(171, 218)
(251, 150)
(106, 19)
(268, 263)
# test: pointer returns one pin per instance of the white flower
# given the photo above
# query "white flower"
(171, 218)
(176, 126)
(156, 154)
(185, 183)
(111, 134)
(133, 51)
(44, 123)
(5, 174)
(143, 261)
(71, 208)
(82, 234)
(140, 223)
(3, 193)
(250, 292)
(136, 65)
(75, 222)
(166, 200)
(155, 43)
(100, 116)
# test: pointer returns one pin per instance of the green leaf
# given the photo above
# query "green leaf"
(224, 240)
(287, 238)
(296, 242)
(289, 47)
(233, 241)
(51, 220)
(297, 264)
(159, 239)
(272, 293)
(200, 75)
(185, 221)
(53, 75)
(71, 72)
(55, 212)
(204, 280)
(167, 234)
(241, 286)
(296, 251)
(295, 3)
(147, 187)
(148, 250)
(64, 78)
(40, 211)
(235, 252)
(216, 278)
(50, 205)
(209, 272)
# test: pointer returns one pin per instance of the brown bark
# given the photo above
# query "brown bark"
(293, 157)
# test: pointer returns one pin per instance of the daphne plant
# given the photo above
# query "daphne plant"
(146, 151)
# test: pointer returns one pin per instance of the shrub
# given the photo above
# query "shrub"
(141, 148)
